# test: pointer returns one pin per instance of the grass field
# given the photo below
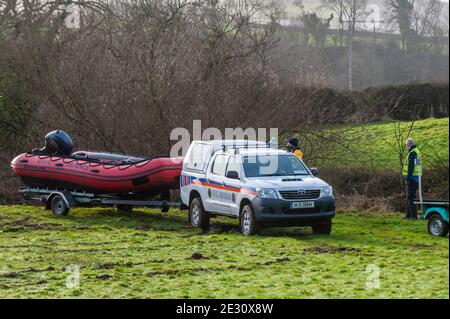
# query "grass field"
(375, 144)
(150, 254)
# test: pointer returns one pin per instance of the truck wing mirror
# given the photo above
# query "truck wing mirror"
(232, 175)
(314, 171)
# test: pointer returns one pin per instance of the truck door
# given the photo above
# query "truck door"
(233, 185)
(216, 193)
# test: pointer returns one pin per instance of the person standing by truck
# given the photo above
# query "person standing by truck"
(412, 170)
(294, 147)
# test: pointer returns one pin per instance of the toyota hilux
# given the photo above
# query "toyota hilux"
(261, 186)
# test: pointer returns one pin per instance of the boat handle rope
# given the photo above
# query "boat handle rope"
(106, 165)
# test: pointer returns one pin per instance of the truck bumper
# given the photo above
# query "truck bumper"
(277, 212)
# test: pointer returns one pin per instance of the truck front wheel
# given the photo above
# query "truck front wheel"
(437, 226)
(323, 228)
(249, 224)
(197, 215)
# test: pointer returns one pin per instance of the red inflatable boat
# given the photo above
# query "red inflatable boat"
(97, 172)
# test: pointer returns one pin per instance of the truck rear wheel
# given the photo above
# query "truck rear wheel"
(323, 228)
(197, 214)
(437, 226)
(59, 206)
(249, 224)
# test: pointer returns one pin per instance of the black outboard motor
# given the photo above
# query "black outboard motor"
(56, 143)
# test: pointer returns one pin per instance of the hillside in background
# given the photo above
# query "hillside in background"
(375, 145)
(362, 161)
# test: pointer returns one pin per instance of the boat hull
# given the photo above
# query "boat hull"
(148, 176)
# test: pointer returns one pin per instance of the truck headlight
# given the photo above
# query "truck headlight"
(266, 193)
(327, 191)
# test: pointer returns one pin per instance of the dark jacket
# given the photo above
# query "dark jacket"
(411, 160)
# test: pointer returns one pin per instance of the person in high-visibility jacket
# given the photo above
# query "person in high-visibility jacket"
(412, 170)
(294, 148)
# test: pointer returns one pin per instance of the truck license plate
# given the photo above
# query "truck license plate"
(300, 205)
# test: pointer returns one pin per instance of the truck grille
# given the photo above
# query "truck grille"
(306, 194)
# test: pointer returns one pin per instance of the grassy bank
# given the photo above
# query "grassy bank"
(375, 145)
(151, 255)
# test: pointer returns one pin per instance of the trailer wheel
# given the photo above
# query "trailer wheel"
(323, 228)
(165, 196)
(59, 206)
(437, 226)
(197, 215)
(126, 209)
(165, 208)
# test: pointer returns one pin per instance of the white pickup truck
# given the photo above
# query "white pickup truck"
(261, 186)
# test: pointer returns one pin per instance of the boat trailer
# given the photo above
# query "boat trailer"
(61, 201)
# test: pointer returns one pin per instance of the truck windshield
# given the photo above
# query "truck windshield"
(273, 165)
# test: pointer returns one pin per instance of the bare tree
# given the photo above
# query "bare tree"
(401, 15)
(348, 11)
(422, 24)
(428, 23)
(312, 24)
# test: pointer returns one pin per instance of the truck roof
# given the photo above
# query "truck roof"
(262, 151)
(232, 142)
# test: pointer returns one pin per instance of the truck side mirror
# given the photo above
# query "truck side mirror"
(314, 171)
(232, 175)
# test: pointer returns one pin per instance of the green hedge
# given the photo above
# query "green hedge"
(333, 106)
(391, 102)
(407, 102)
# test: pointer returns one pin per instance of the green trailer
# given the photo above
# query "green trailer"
(436, 212)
